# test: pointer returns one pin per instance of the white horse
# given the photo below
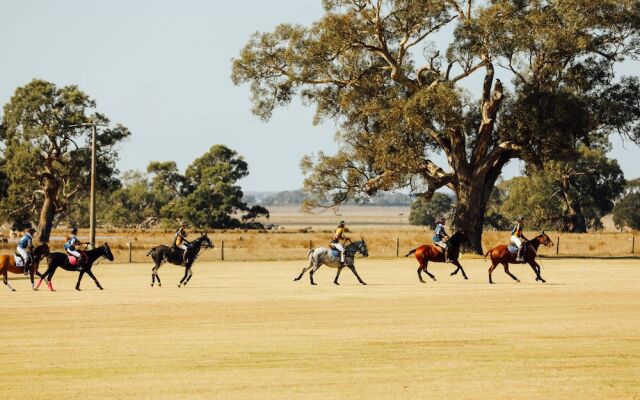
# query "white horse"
(323, 256)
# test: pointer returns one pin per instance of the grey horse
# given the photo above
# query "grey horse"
(322, 256)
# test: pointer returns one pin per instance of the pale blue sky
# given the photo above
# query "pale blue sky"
(162, 68)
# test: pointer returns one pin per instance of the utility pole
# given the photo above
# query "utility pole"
(92, 190)
(92, 199)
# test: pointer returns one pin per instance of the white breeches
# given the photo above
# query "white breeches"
(182, 246)
(74, 253)
(340, 248)
(442, 244)
(23, 253)
(516, 240)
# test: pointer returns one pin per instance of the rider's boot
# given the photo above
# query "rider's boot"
(519, 256)
(446, 256)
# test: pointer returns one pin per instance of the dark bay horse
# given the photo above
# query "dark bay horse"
(323, 256)
(173, 255)
(501, 255)
(430, 252)
(61, 260)
(8, 264)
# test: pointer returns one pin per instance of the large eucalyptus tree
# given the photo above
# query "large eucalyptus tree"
(372, 66)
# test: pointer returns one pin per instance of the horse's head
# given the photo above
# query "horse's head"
(41, 251)
(362, 248)
(457, 239)
(106, 252)
(545, 240)
(205, 241)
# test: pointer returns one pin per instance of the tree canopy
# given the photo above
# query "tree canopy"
(426, 212)
(627, 212)
(46, 136)
(372, 67)
(207, 195)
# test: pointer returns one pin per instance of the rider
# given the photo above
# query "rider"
(337, 237)
(180, 240)
(25, 247)
(440, 238)
(70, 247)
(518, 238)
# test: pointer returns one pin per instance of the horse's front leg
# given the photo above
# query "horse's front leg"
(94, 279)
(189, 277)
(338, 275)
(80, 275)
(184, 278)
(31, 275)
(459, 268)
(537, 270)
(353, 269)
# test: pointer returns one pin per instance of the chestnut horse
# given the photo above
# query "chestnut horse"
(501, 255)
(429, 252)
(8, 264)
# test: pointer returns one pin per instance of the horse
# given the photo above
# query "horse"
(430, 252)
(173, 255)
(8, 264)
(501, 255)
(61, 260)
(322, 256)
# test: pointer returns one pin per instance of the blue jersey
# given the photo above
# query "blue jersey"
(440, 233)
(26, 241)
(71, 243)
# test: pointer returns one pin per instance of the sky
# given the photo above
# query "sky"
(162, 68)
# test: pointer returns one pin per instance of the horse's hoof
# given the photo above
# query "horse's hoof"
(314, 284)
(363, 284)
(336, 283)
(78, 289)
(101, 288)
(13, 290)
(452, 274)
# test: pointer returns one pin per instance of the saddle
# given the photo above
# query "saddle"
(513, 249)
(74, 261)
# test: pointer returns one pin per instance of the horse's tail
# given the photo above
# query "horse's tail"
(488, 255)
(310, 252)
(151, 251)
(411, 252)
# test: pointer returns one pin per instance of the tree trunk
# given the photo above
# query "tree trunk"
(49, 208)
(573, 220)
(473, 191)
(469, 214)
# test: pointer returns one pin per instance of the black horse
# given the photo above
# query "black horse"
(62, 260)
(173, 255)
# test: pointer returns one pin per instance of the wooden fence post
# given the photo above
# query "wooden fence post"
(558, 246)
(222, 250)
(310, 244)
(130, 258)
(633, 245)
(397, 247)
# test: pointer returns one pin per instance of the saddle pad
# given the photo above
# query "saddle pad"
(513, 248)
(335, 253)
(72, 260)
(19, 262)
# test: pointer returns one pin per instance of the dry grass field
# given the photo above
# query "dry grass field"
(245, 330)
